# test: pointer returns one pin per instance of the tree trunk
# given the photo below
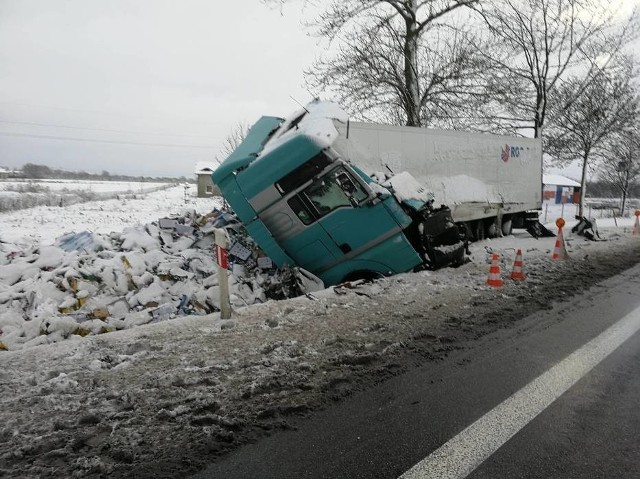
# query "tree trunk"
(625, 188)
(538, 119)
(410, 70)
(583, 183)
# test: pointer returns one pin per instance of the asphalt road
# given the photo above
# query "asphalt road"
(590, 427)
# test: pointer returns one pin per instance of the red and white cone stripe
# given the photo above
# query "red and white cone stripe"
(494, 279)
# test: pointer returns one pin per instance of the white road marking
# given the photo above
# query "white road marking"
(462, 454)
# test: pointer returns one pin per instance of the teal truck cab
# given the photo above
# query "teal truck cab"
(293, 186)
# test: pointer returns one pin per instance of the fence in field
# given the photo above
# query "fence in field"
(597, 208)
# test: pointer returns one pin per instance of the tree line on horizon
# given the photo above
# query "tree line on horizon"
(38, 172)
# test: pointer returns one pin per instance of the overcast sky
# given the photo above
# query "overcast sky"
(160, 72)
(144, 87)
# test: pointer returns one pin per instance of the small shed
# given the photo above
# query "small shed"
(559, 189)
(206, 188)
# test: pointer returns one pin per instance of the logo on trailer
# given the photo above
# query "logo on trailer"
(505, 153)
(510, 152)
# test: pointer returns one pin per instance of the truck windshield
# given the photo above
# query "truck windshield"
(335, 189)
(303, 173)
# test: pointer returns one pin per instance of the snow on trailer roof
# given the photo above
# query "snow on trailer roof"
(558, 180)
(314, 121)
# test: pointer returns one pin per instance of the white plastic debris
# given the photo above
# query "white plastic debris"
(90, 283)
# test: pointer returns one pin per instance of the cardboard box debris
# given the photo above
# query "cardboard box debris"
(100, 313)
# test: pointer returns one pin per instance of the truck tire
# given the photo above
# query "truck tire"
(493, 228)
(507, 226)
(479, 230)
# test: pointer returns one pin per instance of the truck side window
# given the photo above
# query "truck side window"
(329, 192)
(301, 211)
(326, 196)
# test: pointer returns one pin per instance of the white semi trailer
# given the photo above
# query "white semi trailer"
(490, 182)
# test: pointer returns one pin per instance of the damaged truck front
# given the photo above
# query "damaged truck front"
(296, 186)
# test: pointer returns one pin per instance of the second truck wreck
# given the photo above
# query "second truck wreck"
(347, 200)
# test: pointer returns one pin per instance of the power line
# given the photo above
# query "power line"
(95, 140)
(76, 110)
(99, 129)
(92, 112)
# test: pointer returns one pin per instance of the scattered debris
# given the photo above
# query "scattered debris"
(90, 284)
(586, 227)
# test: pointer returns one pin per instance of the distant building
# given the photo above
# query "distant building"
(560, 189)
(7, 173)
(206, 188)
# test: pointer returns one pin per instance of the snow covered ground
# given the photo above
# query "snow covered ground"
(67, 276)
(76, 185)
(161, 398)
(43, 224)
(16, 195)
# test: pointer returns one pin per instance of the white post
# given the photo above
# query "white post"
(222, 245)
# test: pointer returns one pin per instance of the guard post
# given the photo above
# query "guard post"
(221, 246)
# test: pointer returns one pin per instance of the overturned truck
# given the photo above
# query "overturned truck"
(349, 200)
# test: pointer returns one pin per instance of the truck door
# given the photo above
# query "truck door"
(340, 202)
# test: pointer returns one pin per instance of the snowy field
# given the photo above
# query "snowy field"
(41, 225)
(82, 185)
(160, 397)
(18, 195)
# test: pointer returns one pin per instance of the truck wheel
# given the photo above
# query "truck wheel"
(492, 229)
(479, 230)
(507, 227)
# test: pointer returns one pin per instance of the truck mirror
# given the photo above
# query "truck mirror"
(374, 200)
(346, 184)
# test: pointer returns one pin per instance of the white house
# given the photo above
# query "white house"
(203, 172)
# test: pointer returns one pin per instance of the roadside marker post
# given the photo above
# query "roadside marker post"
(221, 246)
(636, 226)
(560, 250)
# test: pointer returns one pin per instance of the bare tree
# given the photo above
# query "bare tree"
(367, 76)
(540, 42)
(621, 167)
(232, 141)
(585, 118)
(395, 58)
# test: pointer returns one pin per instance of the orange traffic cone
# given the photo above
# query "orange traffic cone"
(636, 227)
(560, 250)
(517, 272)
(494, 279)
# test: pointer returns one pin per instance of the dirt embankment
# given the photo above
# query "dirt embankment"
(165, 399)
